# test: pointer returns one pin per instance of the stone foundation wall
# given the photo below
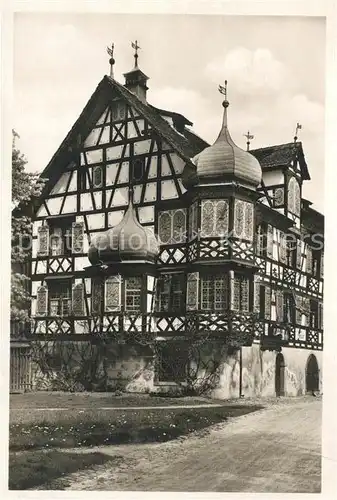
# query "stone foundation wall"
(66, 365)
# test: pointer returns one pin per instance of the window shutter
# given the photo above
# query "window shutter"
(78, 299)
(267, 302)
(56, 242)
(42, 301)
(320, 315)
(43, 240)
(77, 237)
(298, 308)
(299, 254)
(221, 219)
(306, 310)
(309, 260)
(270, 241)
(208, 208)
(165, 227)
(179, 226)
(257, 290)
(113, 293)
(239, 219)
(322, 264)
(96, 296)
(192, 291)
(279, 305)
(283, 248)
(249, 221)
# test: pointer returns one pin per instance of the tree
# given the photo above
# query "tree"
(25, 187)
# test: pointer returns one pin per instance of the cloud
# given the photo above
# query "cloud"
(249, 72)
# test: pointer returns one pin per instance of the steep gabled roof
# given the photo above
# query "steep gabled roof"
(186, 144)
(282, 155)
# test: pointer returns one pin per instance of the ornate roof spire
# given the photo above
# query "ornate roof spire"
(225, 103)
(135, 46)
(110, 51)
(249, 137)
(298, 127)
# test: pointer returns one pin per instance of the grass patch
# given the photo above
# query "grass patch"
(96, 399)
(117, 427)
(33, 469)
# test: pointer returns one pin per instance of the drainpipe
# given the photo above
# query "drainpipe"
(240, 377)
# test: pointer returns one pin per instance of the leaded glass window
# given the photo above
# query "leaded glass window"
(172, 226)
(294, 196)
(77, 237)
(78, 299)
(97, 177)
(96, 295)
(59, 298)
(214, 292)
(243, 220)
(42, 301)
(56, 242)
(240, 293)
(193, 221)
(279, 197)
(192, 291)
(171, 296)
(133, 289)
(113, 293)
(43, 240)
(214, 218)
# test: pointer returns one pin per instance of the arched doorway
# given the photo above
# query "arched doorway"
(279, 375)
(312, 374)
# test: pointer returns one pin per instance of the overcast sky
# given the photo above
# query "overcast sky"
(275, 67)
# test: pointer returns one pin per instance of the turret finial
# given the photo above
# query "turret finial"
(110, 51)
(135, 46)
(298, 127)
(249, 137)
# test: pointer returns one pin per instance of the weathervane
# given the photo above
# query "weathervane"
(110, 51)
(298, 127)
(135, 46)
(249, 137)
(223, 90)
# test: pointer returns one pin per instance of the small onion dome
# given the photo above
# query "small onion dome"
(129, 241)
(223, 161)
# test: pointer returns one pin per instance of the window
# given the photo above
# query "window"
(138, 169)
(113, 293)
(133, 294)
(265, 302)
(97, 177)
(289, 308)
(261, 240)
(193, 221)
(214, 218)
(241, 293)
(59, 298)
(316, 261)
(96, 296)
(171, 287)
(192, 290)
(291, 253)
(118, 111)
(172, 226)
(172, 363)
(294, 196)
(313, 319)
(60, 236)
(214, 293)
(243, 220)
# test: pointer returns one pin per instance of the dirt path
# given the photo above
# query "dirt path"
(273, 450)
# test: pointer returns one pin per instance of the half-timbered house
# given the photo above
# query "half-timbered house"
(147, 240)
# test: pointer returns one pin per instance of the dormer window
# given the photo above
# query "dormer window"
(138, 169)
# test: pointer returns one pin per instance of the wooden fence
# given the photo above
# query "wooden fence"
(20, 361)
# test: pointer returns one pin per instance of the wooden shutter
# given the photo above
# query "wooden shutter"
(192, 291)
(279, 305)
(320, 315)
(43, 240)
(113, 293)
(77, 237)
(270, 241)
(78, 299)
(257, 290)
(283, 248)
(298, 308)
(309, 260)
(322, 264)
(42, 301)
(267, 302)
(96, 296)
(306, 310)
(299, 254)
